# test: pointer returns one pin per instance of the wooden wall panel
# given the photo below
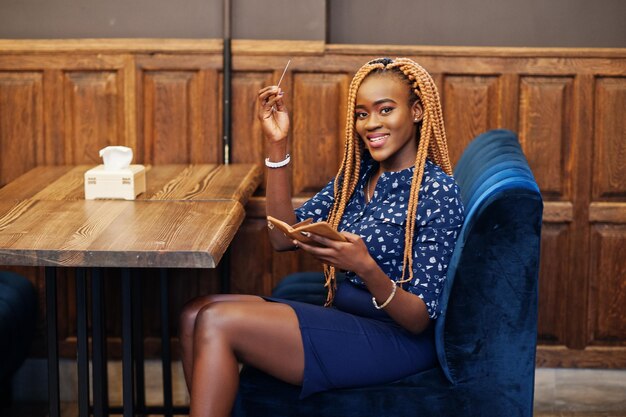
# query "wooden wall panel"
(608, 285)
(249, 146)
(553, 284)
(94, 114)
(610, 139)
(545, 115)
(166, 116)
(606, 313)
(545, 134)
(178, 100)
(470, 107)
(252, 276)
(54, 116)
(175, 112)
(21, 123)
(318, 122)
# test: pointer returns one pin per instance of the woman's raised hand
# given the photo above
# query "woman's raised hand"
(273, 114)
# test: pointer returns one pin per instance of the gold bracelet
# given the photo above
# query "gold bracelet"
(383, 305)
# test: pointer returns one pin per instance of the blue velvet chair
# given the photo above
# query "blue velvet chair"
(18, 317)
(486, 333)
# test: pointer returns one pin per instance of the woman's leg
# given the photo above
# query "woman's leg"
(265, 335)
(188, 321)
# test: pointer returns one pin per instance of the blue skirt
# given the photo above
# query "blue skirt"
(354, 345)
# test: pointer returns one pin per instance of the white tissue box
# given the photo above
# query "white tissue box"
(126, 183)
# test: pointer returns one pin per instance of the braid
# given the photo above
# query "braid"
(432, 144)
(348, 175)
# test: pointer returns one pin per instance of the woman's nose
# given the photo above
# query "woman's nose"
(372, 122)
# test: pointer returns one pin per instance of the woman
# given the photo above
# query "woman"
(395, 202)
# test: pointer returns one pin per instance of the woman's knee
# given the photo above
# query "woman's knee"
(190, 310)
(219, 319)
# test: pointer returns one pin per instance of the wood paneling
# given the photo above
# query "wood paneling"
(545, 113)
(245, 124)
(318, 118)
(167, 119)
(65, 100)
(175, 113)
(178, 108)
(21, 123)
(94, 114)
(251, 276)
(553, 284)
(607, 212)
(610, 139)
(591, 357)
(470, 104)
(607, 313)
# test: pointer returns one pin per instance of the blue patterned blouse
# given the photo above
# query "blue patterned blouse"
(381, 224)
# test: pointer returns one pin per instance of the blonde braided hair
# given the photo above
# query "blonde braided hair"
(432, 144)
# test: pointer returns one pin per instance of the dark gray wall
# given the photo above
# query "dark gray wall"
(279, 19)
(570, 23)
(567, 23)
(252, 19)
(110, 18)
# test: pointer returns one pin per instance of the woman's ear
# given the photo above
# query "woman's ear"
(418, 111)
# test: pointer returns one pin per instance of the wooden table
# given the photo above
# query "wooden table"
(186, 219)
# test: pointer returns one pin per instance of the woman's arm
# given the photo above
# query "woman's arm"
(274, 118)
(407, 309)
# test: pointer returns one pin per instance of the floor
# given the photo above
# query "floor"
(580, 393)
(558, 393)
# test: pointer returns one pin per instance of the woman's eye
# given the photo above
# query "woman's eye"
(386, 110)
(360, 115)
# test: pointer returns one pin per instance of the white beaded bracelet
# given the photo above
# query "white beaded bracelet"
(383, 305)
(279, 164)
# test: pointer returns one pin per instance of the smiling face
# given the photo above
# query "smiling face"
(386, 121)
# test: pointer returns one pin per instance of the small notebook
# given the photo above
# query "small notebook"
(294, 232)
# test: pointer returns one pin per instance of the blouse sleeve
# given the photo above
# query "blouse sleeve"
(439, 221)
(318, 206)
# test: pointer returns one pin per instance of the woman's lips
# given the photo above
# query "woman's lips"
(377, 141)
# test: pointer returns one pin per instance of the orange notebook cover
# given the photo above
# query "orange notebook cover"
(294, 232)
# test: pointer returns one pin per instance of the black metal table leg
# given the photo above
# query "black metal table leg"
(138, 358)
(128, 396)
(82, 343)
(53, 350)
(100, 375)
(166, 356)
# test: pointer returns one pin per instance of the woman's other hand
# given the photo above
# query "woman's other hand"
(349, 256)
(273, 114)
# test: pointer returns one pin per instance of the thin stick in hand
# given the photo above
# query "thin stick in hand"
(281, 79)
(283, 74)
